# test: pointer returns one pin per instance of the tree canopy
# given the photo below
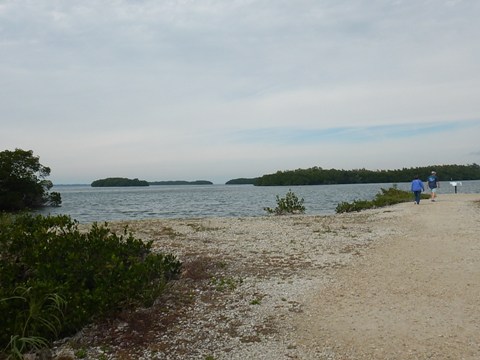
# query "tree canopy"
(319, 176)
(23, 183)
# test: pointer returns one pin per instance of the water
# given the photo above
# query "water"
(87, 204)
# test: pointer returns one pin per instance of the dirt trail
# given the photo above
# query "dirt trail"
(414, 295)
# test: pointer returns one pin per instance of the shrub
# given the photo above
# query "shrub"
(356, 205)
(385, 197)
(92, 273)
(290, 204)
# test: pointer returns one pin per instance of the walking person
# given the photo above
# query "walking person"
(417, 188)
(433, 185)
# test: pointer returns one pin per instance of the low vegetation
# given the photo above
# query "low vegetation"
(385, 197)
(290, 204)
(56, 279)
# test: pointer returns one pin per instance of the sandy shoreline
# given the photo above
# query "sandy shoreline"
(251, 286)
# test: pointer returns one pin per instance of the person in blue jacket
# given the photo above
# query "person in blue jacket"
(417, 188)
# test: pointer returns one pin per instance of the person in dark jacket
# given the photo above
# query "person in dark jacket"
(433, 185)
(417, 188)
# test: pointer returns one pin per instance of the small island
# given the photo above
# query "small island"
(119, 181)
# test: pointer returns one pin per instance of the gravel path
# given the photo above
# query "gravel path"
(393, 283)
(415, 295)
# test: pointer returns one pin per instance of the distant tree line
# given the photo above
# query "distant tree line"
(181, 182)
(241, 181)
(319, 176)
(118, 181)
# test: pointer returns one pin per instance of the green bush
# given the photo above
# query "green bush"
(385, 197)
(290, 204)
(355, 205)
(91, 274)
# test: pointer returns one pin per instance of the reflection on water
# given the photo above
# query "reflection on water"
(87, 204)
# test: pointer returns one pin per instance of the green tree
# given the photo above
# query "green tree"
(23, 182)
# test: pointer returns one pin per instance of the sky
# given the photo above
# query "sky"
(222, 89)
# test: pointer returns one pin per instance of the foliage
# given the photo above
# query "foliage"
(319, 176)
(55, 278)
(385, 197)
(54, 199)
(290, 204)
(37, 313)
(118, 181)
(22, 182)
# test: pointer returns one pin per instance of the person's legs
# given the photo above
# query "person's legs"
(434, 194)
(417, 196)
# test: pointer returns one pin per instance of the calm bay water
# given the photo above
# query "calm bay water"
(87, 204)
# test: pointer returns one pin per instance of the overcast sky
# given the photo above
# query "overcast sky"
(218, 89)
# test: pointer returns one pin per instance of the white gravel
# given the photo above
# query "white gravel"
(253, 288)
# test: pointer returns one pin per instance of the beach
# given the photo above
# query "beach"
(399, 282)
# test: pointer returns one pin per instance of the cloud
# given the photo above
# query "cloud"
(217, 86)
(358, 134)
